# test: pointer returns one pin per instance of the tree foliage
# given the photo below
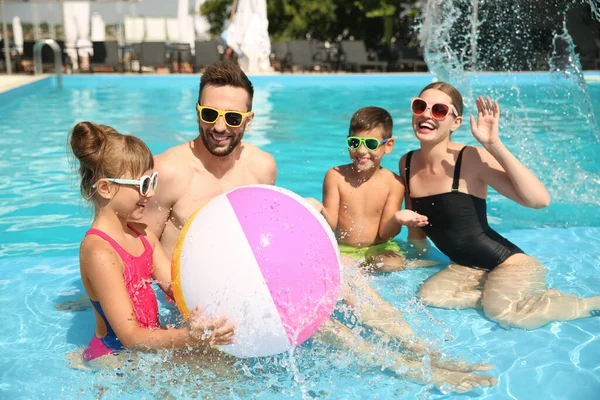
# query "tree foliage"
(375, 21)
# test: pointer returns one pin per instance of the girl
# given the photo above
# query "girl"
(119, 258)
(447, 182)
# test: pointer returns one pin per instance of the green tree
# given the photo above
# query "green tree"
(294, 19)
(374, 21)
(217, 13)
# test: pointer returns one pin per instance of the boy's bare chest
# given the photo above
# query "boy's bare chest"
(368, 197)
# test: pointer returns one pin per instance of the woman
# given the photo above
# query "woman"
(447, 182)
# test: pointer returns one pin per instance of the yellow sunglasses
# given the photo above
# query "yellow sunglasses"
(232, 118)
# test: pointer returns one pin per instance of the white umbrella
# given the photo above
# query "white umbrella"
(98, 28)
(248, 36)
(186, 24)
(17, 34)
(76, 18)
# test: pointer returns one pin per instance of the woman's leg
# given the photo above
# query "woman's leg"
(515, 295)
(454, 287)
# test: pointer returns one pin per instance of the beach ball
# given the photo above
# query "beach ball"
(264, 258)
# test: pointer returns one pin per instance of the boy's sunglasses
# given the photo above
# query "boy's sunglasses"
(232, 118)
(372, 144)
(145, 183)
(439, 111)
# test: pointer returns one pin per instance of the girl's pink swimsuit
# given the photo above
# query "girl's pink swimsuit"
(137, 275)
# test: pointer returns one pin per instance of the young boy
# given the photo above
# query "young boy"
(362, 201)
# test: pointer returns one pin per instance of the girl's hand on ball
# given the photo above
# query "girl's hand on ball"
(213, 332)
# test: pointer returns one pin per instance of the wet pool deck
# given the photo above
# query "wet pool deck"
(9, 82)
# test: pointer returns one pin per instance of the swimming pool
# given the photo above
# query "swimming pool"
(302, 121)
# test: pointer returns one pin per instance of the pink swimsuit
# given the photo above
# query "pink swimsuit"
(137, 275)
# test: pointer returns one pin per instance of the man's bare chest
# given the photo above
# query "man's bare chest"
(203, 187)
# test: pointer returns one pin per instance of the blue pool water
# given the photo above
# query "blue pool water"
(302, 120)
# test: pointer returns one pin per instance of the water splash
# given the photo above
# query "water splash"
(465, 39)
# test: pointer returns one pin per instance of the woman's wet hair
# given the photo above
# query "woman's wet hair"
(451, 91)
(105, 153)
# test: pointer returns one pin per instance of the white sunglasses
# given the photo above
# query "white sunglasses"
(145, 183)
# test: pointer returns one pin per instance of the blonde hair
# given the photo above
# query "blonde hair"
(105, 153)
(451, 91)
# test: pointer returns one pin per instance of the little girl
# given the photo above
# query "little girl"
(119, 258)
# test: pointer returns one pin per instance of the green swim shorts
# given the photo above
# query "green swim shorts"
(362, 252)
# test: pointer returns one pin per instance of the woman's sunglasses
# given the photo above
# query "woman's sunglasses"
(145, 183)
(232, 119)
(372, 144)
(439, 111)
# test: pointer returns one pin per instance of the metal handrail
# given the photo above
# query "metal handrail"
(37, 58)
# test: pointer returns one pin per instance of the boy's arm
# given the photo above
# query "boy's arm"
(389, 226)
(331, 198)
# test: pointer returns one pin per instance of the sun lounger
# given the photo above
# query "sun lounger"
(355, 56)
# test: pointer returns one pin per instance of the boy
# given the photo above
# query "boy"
(362, 201)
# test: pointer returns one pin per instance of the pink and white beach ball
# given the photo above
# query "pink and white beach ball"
(263, 257)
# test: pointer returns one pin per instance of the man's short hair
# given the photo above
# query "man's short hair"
(226, 73)
(368, 118)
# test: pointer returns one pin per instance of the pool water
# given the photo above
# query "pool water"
(548, 122)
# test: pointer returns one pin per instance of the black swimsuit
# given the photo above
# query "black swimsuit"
(458, 225)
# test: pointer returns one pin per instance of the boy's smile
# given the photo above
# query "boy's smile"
(365, 159)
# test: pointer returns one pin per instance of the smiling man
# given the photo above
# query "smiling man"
(216, 161)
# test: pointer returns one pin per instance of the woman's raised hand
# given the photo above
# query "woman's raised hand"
(485, 130)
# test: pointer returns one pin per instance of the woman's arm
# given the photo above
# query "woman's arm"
(499, 168)
(103, 269)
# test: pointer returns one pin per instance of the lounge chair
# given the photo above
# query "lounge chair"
(207, 52)
(355, 56)
(153, 55)
(410, 58)
(106, 57)
(302, 55)
(280, 55)
(181, 57)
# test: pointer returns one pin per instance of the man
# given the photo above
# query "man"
(193, 173)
